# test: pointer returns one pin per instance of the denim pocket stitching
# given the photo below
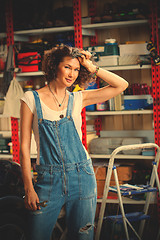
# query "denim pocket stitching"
(86, 167)
(84, 193)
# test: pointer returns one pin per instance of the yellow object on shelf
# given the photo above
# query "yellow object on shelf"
(135, 42)
(77, 88)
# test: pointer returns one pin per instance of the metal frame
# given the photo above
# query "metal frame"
(93, 42)
(79, 43)
(155, 82)
(14, 121)
(154, 178)
(155, 72)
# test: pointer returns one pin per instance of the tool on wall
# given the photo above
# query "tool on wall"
(153, 53)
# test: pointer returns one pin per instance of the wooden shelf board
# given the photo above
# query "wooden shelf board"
(71, 28)
(123, 112)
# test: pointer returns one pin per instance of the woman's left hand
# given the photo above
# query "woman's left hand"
(86, 62)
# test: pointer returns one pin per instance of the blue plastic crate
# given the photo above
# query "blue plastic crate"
(137, 102)
(93, 106)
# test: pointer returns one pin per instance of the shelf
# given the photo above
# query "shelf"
(126, 67)
(115, 24)
(110, 68)
(6, 156)
(41, 31)
(123, 112)
(29, 74)
(106, 113)
(9, 156)
(71, 28)
(122, 156)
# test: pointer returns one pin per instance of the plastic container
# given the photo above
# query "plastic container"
(99, 50)
(101, 106)
(28, 88)
(133, 102)
(111, 49)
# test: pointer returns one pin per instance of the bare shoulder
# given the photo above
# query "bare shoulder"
(43, 91)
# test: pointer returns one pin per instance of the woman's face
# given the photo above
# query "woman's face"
(68, 71)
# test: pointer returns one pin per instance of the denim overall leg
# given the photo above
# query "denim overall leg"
(65, 176)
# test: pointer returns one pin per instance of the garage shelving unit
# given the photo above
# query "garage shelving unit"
(78, 29)
(153, 21)
(89, 29)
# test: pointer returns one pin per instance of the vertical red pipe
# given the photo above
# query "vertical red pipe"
(155, 83)
(10, 41)
(79, 43)
(94, 41)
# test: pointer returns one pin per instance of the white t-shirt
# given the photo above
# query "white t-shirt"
(53, 115)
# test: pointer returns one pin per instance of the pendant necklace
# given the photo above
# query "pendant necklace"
(58, 103)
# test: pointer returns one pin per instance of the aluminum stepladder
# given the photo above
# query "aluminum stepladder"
(153, 179)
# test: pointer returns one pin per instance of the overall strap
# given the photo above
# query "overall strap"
(70, 104)
(38, 105)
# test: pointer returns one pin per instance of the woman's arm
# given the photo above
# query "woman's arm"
(116, 84)
(26, 118)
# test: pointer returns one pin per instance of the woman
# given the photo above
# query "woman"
(65, 172)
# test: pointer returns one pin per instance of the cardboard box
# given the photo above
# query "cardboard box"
(124, 174)
(100, 189)
(100, 172)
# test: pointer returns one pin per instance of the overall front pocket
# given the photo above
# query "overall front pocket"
(43, 185)
(49, 186)
(87, 181)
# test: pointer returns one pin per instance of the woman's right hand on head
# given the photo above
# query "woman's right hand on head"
(31, 200)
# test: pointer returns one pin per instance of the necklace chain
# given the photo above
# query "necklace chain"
(59, 104)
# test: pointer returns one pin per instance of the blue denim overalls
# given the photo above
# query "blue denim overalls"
(65, 176)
